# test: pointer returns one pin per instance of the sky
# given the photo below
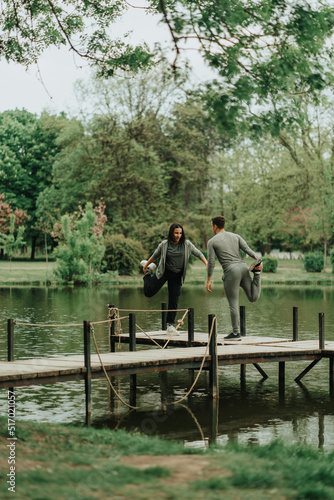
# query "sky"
(50, 85)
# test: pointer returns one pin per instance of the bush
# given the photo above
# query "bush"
(314, 262)
(122, 254)
(269, 265)
(79, 256)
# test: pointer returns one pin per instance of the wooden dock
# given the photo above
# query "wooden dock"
(189, 350)
(250, 350)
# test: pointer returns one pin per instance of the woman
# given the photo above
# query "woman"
(174, 256)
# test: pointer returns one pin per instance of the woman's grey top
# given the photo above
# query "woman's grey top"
(227, 247)
(175, 257)
(161, 252)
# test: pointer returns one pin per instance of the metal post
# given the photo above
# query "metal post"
(10, 340)
(191, 326)
(163, 316)
(132, 347)
(331, 376)
(295, 324)
(213, 373)
(242, 321)
(112, 331)
(88, 374)
(321, 331)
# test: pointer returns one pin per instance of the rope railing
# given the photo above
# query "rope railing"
(47, 325)
(118, 396)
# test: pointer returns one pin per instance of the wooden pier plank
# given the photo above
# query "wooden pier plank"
(259, 349)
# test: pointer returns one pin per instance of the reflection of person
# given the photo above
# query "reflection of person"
(226, 246)
(174, 256)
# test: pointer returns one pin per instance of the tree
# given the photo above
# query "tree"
(29, 28)
(6, 211)
(27, 150)
(258, 49)
(11, 242)
(79, 256)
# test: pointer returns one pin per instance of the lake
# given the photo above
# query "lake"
(251, 412)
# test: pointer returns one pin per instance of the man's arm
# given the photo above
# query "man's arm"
(211, 265)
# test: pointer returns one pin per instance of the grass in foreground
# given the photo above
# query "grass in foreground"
(56, 462)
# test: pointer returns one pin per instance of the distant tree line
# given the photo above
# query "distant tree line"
(152, 153)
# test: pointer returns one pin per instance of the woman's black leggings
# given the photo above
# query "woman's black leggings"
(152, 285)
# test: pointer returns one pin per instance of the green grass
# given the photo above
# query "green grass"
(25, 272)
(288, 272)
(55, 462)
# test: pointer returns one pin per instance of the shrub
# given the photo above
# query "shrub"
(79, 256)
(269, 265)
(314, 262)
(122, 254)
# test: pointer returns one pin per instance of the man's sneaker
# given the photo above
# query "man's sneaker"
(171, 329)
(233, 336)
(255, 264)
(151, 267)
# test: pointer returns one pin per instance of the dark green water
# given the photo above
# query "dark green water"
(252, 412)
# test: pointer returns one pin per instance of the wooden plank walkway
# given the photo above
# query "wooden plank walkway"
(249, 350)
(181, 339)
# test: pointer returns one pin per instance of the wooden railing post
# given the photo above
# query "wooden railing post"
(191, 326)
(163, 316)
(213, 373)
(10, 340)
(321, 331)
(295, 324)
(111, 330)
(132, 347)
(88, 372)
(242, 321)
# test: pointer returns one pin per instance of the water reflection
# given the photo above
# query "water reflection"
(249, 409)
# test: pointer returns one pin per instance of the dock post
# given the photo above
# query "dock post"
(163, 316)
(10, 344)
(213, 370)
(191, 326)
(88, 374)
(111, 330)
(243, 321)
(295, 324)
(132, 347)
(10, 340)
(321, 331)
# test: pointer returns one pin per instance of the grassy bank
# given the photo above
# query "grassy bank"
(57, 463)
(288, 272)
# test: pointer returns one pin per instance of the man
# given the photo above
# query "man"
(226, 246)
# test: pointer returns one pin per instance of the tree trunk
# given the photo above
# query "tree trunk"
(33, 247)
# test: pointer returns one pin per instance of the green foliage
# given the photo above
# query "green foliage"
(122, 254)
(269, 265)
(332, 259)
(79, 257)
(11, 242)
(27, 150)
(83, 26)
(314, 262)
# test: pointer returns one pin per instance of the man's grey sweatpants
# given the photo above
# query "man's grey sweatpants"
(237, 275)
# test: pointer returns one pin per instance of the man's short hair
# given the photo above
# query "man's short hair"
(218, 221)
